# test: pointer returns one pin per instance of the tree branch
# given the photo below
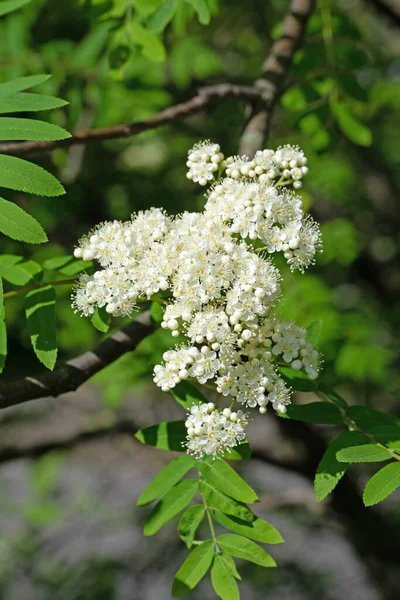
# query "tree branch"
(274, 71)
(205, 96)
(68, 376)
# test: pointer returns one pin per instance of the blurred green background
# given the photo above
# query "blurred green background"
(340, 105)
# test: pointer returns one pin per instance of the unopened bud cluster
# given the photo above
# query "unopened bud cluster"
(220, 287)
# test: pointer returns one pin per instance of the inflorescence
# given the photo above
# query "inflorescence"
(219, 285)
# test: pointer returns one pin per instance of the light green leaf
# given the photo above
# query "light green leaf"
(156, 312)
(258, 529)
(240, 452)
(101, 319)
(193, 569)
(164, 436)
(190, 521)
(222, 580)
(21, 273)
(40, 314)
(203, 13)
(314, 332)
(163, 15)
(19, 225)
(229, 564)
(315, 412)
(75, 267)
(55, 263)
(21, 175)
(241, 547)
(152, 47)
(187, 395)
(364, 453)
(8, 260)
(22, 83)
(22, 102)
(382, 484)
(330, 470)
(170, 505)
(7, 6)
(217, 499)
(30, 129)
(166, 479)
(356, 131)
(219, 474)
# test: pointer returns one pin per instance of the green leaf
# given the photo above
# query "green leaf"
(152, 47)
(241, 547)
(21, 175)
(3, 331)
(363, 453)
(222, 580)
(193, 569)
(202, 10)
(19, 225)
(190, 521)
(229, 564)
(356, 131)
(217, 499)
(219, 474)
(315, 412)
(55, 263)
(40, 314)
(7, 6)
(258, 529)
(156, 312)
(21, 273)
(314, 332)
(8, 260)
(164, 436)
(75, 267)
(240, 452)
(163, 15)
(334, 397)
(187, 395)
(165, 480)
(101, 319)
(298, 380)
(330, 470)
(170, 505)
(22, 83)
(30, 129)
(382, 484)
(22, 102)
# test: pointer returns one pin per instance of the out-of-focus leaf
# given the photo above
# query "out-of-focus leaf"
(163, 15)
(356, 131)
(7, 6)
(22, 83)
(203, 12)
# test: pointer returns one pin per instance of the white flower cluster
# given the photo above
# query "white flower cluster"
(219, 289)
(210, 432)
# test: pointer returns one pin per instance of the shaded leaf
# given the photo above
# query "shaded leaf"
(353, 129)
(297, 380)
(187, 395)
(164, 436)
(19, 225)
(170, 505)
(189, 523)
(241, 547)
(101, 319)
(166, 479)
(40, 314)
(315, 412)
(7, 6)
(21, 175)
(219, 474)
(3, 332)
(258, 529)
(240, 452)
(193, 569)
(382, 484)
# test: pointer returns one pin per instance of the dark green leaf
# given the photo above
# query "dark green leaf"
(241, 547)
(7, 6)
(19, 225)
(193, 569)
(30, 129)
(190, 521)
(163, 15)
(334, 397)
(21, 175)
(40, 314)
(165, 436)
(297, 380)
(22, 102)
(101, 319)
(166, 479)
(363, 453)
(170, 505)
(382, 484)
(315, 412)
(222, 580)
(22, 83)
(258, 529)
(330, 470)
(240, 452)
(356, 131)
(219, 474)
(217, 499)
(187, 395)
(3, 334)
(352, 88)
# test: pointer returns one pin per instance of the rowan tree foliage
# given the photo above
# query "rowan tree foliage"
(170, 170)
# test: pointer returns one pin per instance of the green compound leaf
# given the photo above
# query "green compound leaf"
(187, 395)
(21, 175)
(101, 319)
(352, 128)
(22, 83)
(193, 569)
(382, 484)
(41, 317)
(166, 479)
(189, 523)
(315, 412)
(164, 436)
(19, 225)
(22, 102)
(330, 470)
(258, 530)
(7, 6)
(170, 505)
(219, 474)
(163, 15)
(222, 580)
(364, 453)
(217, 499)
(241, 547)
(30, 129)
